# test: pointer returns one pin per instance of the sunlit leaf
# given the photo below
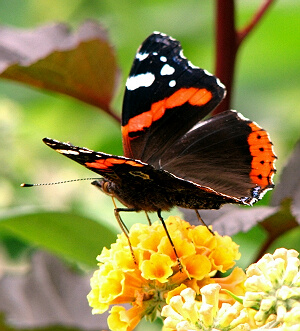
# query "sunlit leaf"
(65, 234)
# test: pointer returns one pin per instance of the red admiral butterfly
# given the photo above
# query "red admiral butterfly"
(172, 157)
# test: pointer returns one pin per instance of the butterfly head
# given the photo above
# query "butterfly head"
(104, 185)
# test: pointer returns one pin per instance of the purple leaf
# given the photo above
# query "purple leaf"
(80, 64)
(49, 294)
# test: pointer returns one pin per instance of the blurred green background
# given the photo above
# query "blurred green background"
(267, 89)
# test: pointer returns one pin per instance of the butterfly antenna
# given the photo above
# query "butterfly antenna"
(56, 183)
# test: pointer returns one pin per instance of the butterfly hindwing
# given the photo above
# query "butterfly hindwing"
(228, 153)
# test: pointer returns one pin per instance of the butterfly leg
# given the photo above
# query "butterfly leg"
(201, 221)
(148, 219)
(124, 228)
(170, 239)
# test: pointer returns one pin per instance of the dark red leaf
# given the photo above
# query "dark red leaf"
(230, 220)
(81, 64)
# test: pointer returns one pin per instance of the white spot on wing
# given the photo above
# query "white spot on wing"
(172, 83)
(220, 83)
(207, 73)
(141, 56)
(67, 151)
(192, 65)
(242, 117)
(88, 151)
(181, 54)
(167, 70)
(163, 59)
(141, 80)
(217, 79)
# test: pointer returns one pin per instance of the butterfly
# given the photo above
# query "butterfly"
(172, 156)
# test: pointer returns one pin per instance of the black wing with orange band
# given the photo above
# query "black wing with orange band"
(112, 167)
(165, 96)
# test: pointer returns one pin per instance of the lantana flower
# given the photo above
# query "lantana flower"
(154, 274)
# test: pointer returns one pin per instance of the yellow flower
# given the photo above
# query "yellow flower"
(221, 256)
(156, 274)
(124, 320)
(158, 267)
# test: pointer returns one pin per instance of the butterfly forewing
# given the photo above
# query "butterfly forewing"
(165, 96)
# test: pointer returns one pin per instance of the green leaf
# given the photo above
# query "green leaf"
(67, 235)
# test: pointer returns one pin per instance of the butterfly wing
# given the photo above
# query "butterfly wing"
(228, 153)
(165, 96)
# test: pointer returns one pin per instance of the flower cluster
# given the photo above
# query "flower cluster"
(271, 300)
(273, 288)
(154, 275)
(187, 293)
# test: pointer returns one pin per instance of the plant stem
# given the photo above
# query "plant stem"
(228, 41)
(243, 33)
(226, 48)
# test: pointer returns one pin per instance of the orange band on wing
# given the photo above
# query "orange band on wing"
(262, 166)
(194, 96)
(107, 164)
